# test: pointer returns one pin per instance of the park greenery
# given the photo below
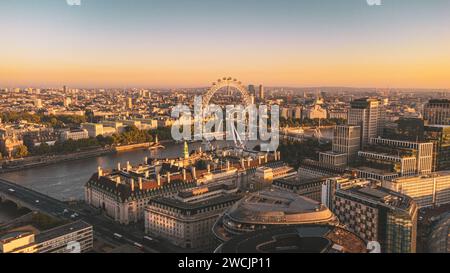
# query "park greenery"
(294, 153)
(54, 121)
(310, 122)
(131, 135)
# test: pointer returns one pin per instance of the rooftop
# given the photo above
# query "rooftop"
(278, 206)
(296, 239)
(61, 230)
(194, 206)
(384, 196)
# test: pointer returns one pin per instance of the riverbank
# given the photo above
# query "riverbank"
(131, 147)
(40, 161)
(28, 163)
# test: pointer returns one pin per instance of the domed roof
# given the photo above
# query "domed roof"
(276, 206)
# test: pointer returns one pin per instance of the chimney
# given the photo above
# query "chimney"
(147, 174)
(243, 163)
(132, 184)
(279, 155)
(128, 166)
(209, 168)
(259, 160)
(140, 184)
(249, 161)
(266, 159)
(117, 181)
(228, 165)
(145, 160)
(118, 166)
(194, 173)
(184, 174)
(168, 177)
(100, 171)
(275, 156)
(158, 179)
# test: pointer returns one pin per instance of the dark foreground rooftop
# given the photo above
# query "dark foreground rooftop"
(296, 239)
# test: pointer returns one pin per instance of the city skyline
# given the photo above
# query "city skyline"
(156, 44)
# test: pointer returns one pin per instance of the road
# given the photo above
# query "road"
(103, 228)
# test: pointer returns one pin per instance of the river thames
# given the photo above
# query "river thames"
(65, 181)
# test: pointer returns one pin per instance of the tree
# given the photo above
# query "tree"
(22, 151)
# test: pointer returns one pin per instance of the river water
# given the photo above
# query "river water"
(65, 181)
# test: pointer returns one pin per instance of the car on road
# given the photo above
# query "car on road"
(148, 238)
(75, 215)
(11, 190)
(37, 201)
(117, 235)
(65, 211)
(138, 245)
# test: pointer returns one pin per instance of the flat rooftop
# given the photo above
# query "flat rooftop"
(193, 206)
(61, 230)
(296, 239)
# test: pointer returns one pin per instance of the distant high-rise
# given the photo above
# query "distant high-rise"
(67, 101)
(65, 89)
(252, 90)
(437, 112)
(366, 113)
(346, 144)
(261, 92)
(129, 103)
(347, 140)
(38, 103)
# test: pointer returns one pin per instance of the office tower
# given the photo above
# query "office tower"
(411, 129)
(374, 213)
(261, 92)
(347, 139)
(439, 238)
(252, 90)
(129, 103)
(437, 112)
(386, 158)
(440, 136)
(426, 190)
(366, 113)
(65, 89)
(346, 144)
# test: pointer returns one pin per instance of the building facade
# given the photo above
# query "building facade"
(427, 190)
(374, 213)
(366, 113)
(392, 158)
(186, 219)
(73, 237)
(74, 134)
(440, 136)
(437, 112)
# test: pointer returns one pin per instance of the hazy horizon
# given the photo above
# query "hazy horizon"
(403, 44)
